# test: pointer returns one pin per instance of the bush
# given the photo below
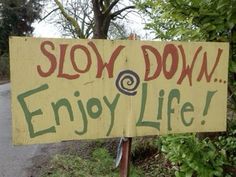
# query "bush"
(4, 67)
(193, 156)
(202, 158)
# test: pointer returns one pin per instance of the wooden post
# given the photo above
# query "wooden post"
(126, 144)
(125, 159)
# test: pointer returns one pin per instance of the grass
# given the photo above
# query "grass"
(101, 164)
(147, 160)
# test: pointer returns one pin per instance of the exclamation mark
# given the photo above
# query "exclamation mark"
(209, 96)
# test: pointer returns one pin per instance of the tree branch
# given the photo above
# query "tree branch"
(70, 19)
(89, 30)
(124, 16)
(48, 14)
(113, 15)
(108, 10)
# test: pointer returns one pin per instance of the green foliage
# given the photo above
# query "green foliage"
(190, 19)
(193, 156)
(16, 18)
(204, 158)
(227, 143)
(101, 164)
(4, 67)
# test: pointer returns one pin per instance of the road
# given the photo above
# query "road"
(13, 159)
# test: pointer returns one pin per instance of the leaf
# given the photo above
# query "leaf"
(222, 4)
(189, 173)
(209, 27)
(232, 18)
(232, 66)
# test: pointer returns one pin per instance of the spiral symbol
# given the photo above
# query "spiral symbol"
(127, 82)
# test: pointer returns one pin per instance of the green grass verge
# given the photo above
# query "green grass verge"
(101, 164)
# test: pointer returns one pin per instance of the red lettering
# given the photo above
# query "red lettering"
(150, 53)
(204, 66)
(110, 65)
(187, 70)
(61, 74)
(72, 57)
(50, 56)
(147, 62)
(170, 49)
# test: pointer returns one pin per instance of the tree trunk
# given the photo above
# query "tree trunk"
(101, 22)
(99, 32)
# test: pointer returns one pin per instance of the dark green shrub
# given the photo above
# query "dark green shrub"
(4, 67)
(202, 158)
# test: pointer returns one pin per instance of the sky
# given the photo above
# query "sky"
(48, 29)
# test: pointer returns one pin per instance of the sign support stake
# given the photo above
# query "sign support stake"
(125, 159)
(126, 143)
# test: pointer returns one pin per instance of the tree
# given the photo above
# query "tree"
(97, 16)
(74, 18)
(82, 12)
(16, 18)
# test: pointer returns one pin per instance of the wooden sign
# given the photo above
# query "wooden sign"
(68, 89)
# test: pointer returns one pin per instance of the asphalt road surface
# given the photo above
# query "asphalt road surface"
(13, 159)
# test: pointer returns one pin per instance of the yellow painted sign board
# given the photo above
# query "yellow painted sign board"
(69, 89)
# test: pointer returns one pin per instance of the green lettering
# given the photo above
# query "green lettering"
(143, 105)
(210, 94)
(112, 107)
(92, 103)
(160, 104)
(84, 116)
(59, 104)
(174, 93)
(29, 115)
(187, 107)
